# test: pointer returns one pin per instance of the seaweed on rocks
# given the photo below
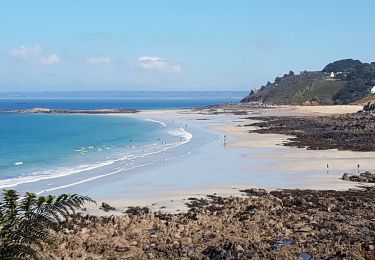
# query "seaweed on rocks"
(366, 177)
(355, 132)
(281, 224)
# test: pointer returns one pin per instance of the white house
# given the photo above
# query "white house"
(332, 75)
(373, 90)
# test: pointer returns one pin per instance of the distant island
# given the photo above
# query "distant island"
(341, 82)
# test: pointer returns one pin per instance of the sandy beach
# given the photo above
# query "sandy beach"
(209, 167)
(217, 211)
(220, 157)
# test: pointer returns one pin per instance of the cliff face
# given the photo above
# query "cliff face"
(340, 82)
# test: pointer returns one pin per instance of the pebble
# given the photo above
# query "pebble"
(239, 248)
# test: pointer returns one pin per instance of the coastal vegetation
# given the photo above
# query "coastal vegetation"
(340, 82)
(25, 222)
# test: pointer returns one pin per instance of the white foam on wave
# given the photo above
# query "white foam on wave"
(184, 135)
(92, 178)
(181, 132)
(57, 173)
(156, 121)
(117, 170)
(50, 174)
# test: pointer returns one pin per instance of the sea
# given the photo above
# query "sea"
(44, 152)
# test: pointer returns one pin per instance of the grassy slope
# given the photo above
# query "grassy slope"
(364, 101)
(353, 80)
(298, 89)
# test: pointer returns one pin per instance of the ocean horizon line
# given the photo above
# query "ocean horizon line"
(100, 95)
(110, 98)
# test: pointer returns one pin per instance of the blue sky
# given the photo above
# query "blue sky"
(175, 45)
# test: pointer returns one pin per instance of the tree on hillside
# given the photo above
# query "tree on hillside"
(291, 73)
(353, 90)
(341, 65)
(25, 222)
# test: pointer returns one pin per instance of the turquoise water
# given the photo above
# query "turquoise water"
(35, 139)
(36, 147)
(134, 103)
(48, 150)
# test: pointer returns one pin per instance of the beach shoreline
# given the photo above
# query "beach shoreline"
(209, 166)
(203, 198)
(222, 122)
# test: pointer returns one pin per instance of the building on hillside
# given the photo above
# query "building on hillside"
(332, 75)
(373, 90)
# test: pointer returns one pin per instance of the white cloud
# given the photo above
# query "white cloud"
(25, 52)
(49, 60)
(35, 54)
(98, 60)
(159, 64)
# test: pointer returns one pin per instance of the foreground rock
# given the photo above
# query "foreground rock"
(106, 207)
(370, 107)
(286, 224)
(354, 132)
(366, 177)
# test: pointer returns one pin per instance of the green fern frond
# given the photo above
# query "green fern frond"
(25, 222)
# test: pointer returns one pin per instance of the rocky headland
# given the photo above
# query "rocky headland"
(341, 82)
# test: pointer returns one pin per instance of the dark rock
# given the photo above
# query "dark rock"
(354, 132)
(369, 107)
(137, 210)
(281, 224)
(362, 177)
(106, 207)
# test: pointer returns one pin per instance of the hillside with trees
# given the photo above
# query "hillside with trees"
(340, 82)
